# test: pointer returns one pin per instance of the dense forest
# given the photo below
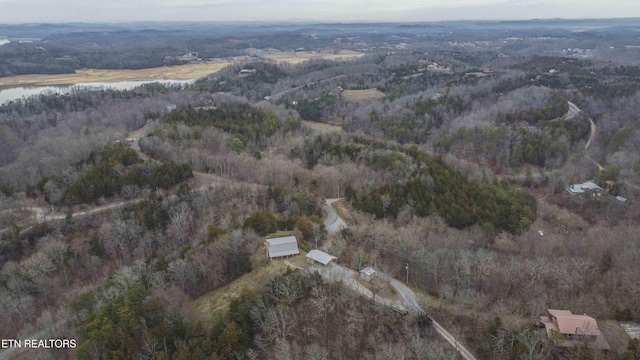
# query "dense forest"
(135, 221)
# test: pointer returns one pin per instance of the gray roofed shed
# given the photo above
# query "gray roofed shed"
(367, 273)
(320, 257)
(282, 246)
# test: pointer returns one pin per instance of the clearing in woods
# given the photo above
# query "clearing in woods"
(363, 95)
(216, 302)
(180, 72)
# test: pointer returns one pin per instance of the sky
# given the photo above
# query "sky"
(38, 11)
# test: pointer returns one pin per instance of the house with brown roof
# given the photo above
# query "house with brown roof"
(574, 329)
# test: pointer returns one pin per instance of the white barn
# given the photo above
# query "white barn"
(320, 257)
(282, 247)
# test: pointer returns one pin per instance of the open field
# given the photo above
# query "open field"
(363, 95)
(296, 58)
(181, 72)
(321, 127)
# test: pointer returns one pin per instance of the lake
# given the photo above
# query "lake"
(16, 93)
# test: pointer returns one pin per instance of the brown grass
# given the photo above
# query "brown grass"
(215, 303)
(296, 58)
(181, 72)
(343, 208)
(363, 95)
(322, 127)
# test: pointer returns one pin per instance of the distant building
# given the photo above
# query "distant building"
(588, 187)
(190, 56)
(319, 257)
(171, 107)
(574, 329)
(267, 98)
(623, 201)
(367, 273)
(247, 71)
(282, 247)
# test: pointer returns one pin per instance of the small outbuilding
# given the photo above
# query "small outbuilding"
(282, 247)
(623, 201)
(367, 273)
(319, 257)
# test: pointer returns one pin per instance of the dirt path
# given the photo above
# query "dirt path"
(592, 135)
(573, 112)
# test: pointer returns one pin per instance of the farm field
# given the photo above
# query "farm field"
(180, 72)
(363, 95)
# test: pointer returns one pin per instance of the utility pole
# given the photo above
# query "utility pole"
(407, 267)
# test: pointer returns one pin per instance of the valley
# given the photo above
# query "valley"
(464, 180)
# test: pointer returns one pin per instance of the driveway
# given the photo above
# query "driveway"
(407, 298)
(333, 223)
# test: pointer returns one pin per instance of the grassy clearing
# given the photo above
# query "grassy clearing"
(343, 208)
(209, 306)
(321, 127)
(180, 72)
(363, 95)
(299, 57)
(279, 233)
(183, 72)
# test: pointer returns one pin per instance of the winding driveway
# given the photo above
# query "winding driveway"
(573, 111)
(333, 223)
(407, 298)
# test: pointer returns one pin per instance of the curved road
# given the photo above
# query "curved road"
(333, 223)
(334, 272)
(573, 111)
(410, 302)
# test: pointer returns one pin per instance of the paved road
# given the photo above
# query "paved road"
(333, 223)
(409, 301)
(407, 298)
(337, 273)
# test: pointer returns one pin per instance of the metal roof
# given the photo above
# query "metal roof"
(569, 323)
(590, 185)
(282, 246)
(368, 271)
(320, 256)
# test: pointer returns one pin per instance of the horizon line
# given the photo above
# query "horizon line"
(311, 21)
